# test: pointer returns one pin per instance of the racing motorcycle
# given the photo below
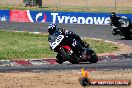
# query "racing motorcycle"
(124, 28)
(65, 52)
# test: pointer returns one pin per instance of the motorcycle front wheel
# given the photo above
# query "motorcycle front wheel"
(59, 59)
(72, 59)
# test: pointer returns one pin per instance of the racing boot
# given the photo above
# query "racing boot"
(84, 44)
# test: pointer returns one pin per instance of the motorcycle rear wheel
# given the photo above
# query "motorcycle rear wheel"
(127, 33)
(93, 57)
(127, 36)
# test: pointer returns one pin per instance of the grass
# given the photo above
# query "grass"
(18, 45)
(71, 8)
(100, 46)
(23, 45)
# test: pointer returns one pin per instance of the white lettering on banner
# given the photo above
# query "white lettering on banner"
(89, 20)
(73, 20)
(61, 19)
(107, 20)
(79, 20)
(67, 18)
(54, 16)
(99, 20)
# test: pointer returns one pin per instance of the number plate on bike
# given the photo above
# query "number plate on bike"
(57, 41)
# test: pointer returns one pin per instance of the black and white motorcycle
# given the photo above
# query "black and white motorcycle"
(124, 29)
(65, 52)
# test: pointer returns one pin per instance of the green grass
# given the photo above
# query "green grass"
(23, 45)
(18, 45)
(71, 8)
(100, 46)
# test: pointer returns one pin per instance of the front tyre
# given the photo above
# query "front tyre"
(59, 59)
(71, 58)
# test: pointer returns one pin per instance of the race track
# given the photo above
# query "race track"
(111, 65)
(93, 31)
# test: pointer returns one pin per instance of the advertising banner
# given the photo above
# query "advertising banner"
(61, 17)
(82, 17)
(4, 15)
(27, 16)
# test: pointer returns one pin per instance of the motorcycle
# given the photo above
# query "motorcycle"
(65, 52)
(124, 28)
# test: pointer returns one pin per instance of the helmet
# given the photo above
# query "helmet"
(112, 15)
(52, 28)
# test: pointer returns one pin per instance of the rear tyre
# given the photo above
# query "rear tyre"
(93, 57)
(127, 36)
(130, 30)
(127, 33)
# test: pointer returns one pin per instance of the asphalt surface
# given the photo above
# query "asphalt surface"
(93, 31)
(83, 30)
(111, 65)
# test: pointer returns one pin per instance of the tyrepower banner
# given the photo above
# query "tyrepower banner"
(4, 15)
(58, 17)
(61, 17)
(82, 17)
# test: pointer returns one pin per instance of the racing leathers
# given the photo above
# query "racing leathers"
(115, 21)
(69, 34)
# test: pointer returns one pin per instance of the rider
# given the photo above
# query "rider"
(114, 19)
(114, 22)
(52, 28)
